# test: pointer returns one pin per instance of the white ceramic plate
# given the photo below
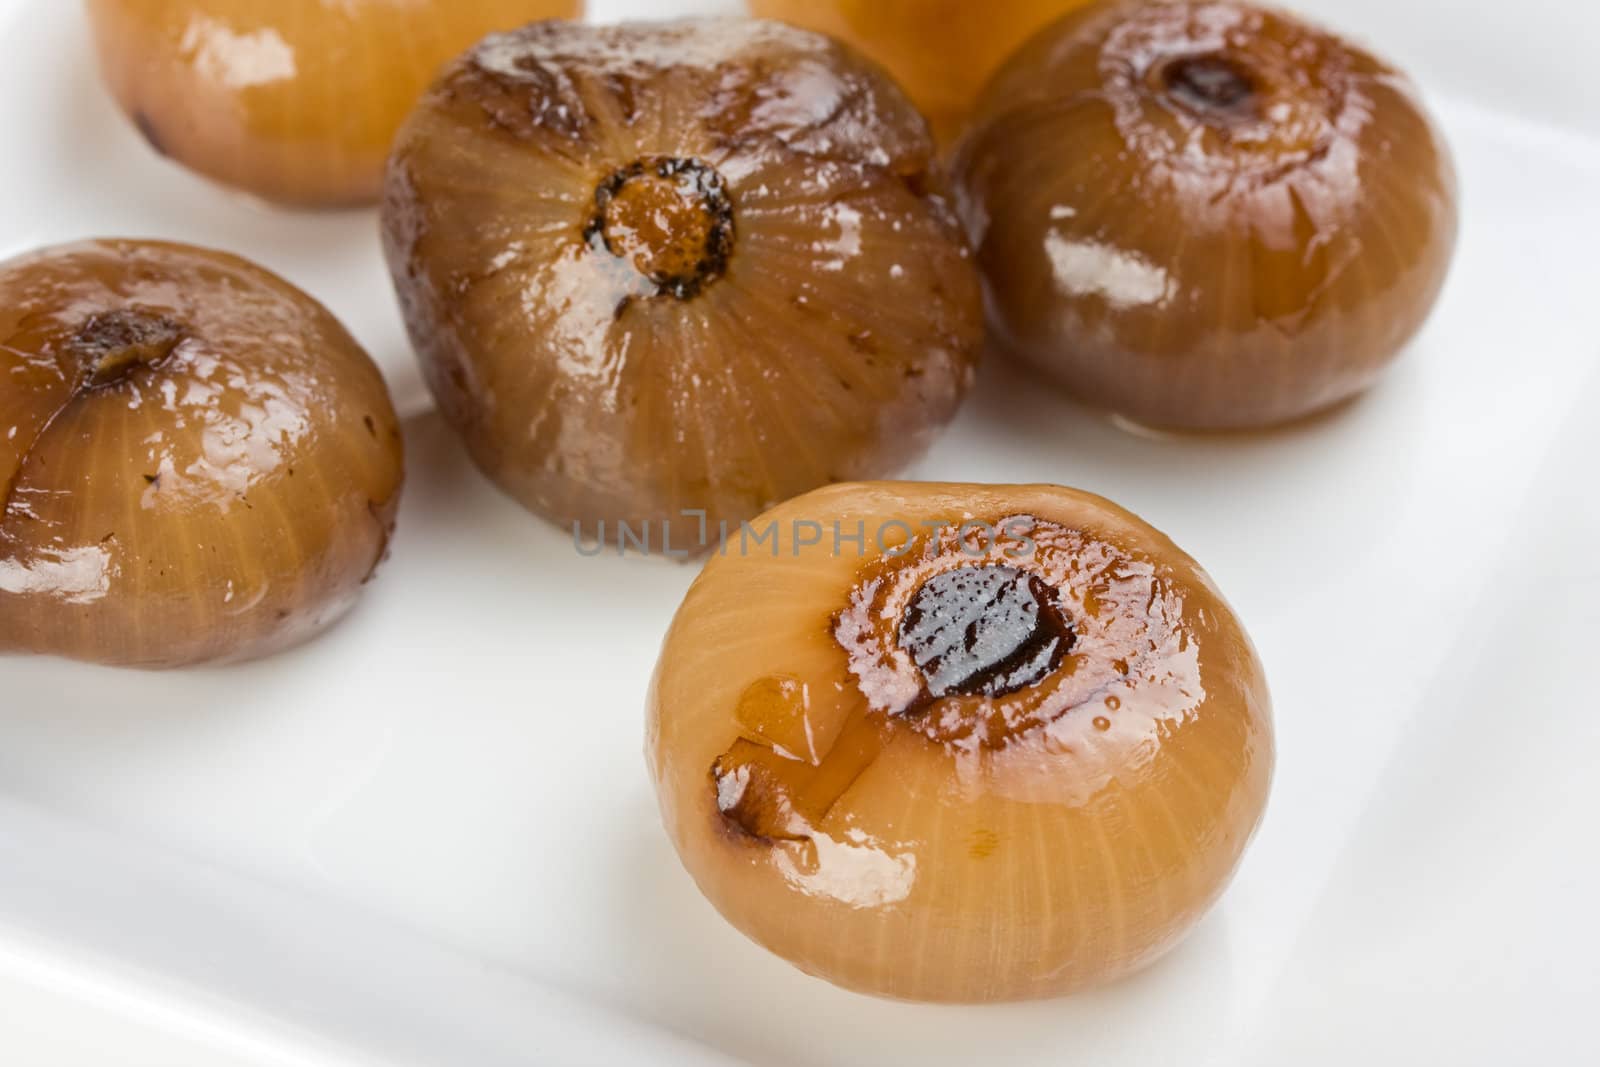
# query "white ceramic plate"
(400, 844)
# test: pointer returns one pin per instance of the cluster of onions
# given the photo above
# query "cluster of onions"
(1013, 749)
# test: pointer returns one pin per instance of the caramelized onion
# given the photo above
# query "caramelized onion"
(1205, 215)
(967, 743)
(698, 266)
(942, 51)
(293, 100)
(197, 462)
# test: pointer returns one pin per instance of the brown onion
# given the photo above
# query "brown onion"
(197, 462)
(959, 742)
(293, 100)
(686, 266)
(1205, 215)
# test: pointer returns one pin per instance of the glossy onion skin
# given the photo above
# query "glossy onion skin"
(1206, 269)
(296, 101)
(941, 51)
(1069, 838)
(837, 339)
(223, 503)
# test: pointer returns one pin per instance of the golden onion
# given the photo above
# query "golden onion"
(295, 101)
(197, 462)
(958, 742)
(1205, 215)
(941, 51)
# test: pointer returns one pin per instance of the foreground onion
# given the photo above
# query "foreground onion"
(1206, 215)
(197, 462)
(1007, 759)
(293, 100)
(683, 266)
(942, 51)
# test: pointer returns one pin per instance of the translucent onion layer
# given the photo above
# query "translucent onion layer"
(295, 101)
(197, 462)
(1002, 760)
(695, 265)
(941, 51)
(1205, 215)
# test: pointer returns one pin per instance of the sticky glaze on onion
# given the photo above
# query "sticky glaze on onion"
(693, 266)
(197, 462)
(1014, 752)
(1205, 215)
